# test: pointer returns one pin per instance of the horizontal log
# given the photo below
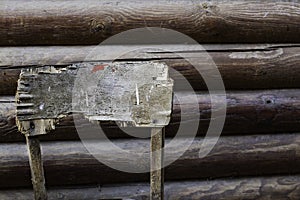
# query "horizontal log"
(267, 188)
(69, 163)
(250, 66)
(90, 22)
(248, 112)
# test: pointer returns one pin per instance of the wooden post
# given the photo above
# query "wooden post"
(157, 171)
(36, 166)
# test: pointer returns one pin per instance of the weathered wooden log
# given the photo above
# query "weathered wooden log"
(75, 22)
(267, 188)
(69, 163)
(241, 66)
(248, 112)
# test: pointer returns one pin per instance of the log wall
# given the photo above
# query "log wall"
(254, 44)
(69, 163)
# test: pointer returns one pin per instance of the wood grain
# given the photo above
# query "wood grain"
(36, 167)
(156, 163)
(69, 163)
(266, 188)
(249, 66)
(90, 22)
(248, 112)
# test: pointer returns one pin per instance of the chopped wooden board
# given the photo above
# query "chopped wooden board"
(134, 94)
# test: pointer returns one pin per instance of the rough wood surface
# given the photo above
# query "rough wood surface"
(241, 66)
(255, 188)
(248, 112)
(36, 168)
(90, 22)
(135, 94)
(68, 163)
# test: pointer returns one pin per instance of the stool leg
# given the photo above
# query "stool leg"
(36, 167)
(157, 171)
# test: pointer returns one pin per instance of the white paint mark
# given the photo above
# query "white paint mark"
(41, 107)
(257, 54)
(137, 95)
(151, 89)
(87, 99)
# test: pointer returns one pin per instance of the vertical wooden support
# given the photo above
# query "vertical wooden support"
(157, 171)
(36, 166)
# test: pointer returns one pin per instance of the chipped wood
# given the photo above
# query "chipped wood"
(138, 94)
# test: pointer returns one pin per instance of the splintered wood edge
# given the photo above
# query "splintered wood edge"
(37, 126)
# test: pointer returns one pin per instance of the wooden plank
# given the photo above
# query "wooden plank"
(69, 163)
(248, 112)
(135, 94)
(255, 66)
(267, 188)
(90, 22)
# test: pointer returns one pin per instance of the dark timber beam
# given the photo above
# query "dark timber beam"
(267, 188)
(248, 112)
(91, 22)
(243, 66)
(69, 163)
